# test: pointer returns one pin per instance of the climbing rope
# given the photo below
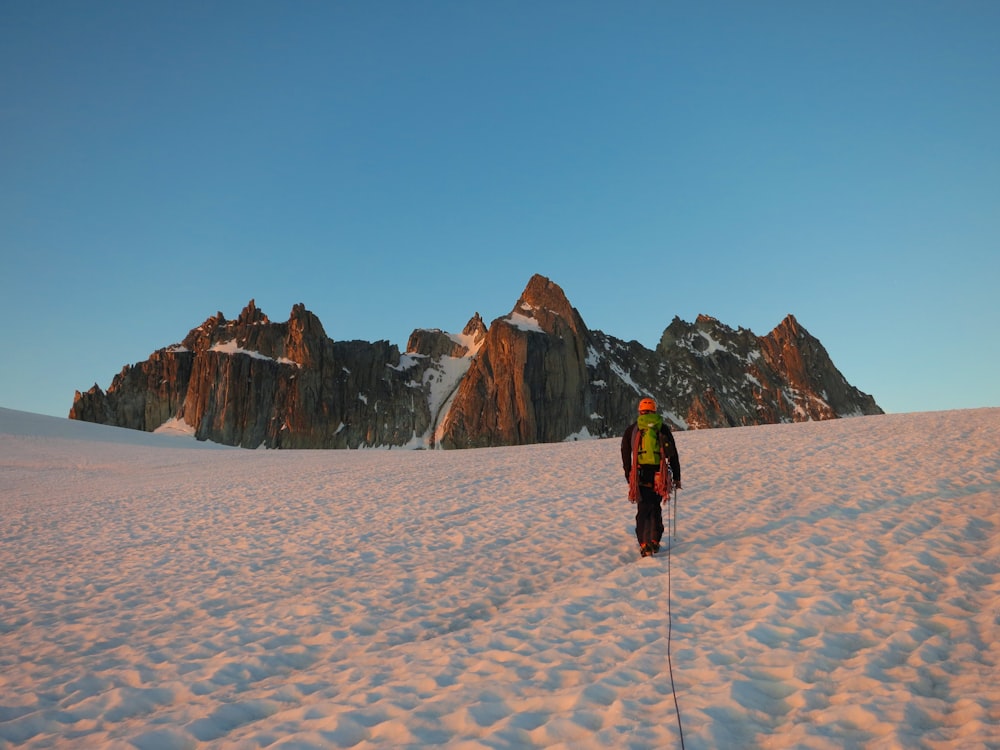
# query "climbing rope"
(670, 623)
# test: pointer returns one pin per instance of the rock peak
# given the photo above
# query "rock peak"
(305, 321)
(789, 325)
(544, 293)
(475, 327)
(546, 302)
(251, 315)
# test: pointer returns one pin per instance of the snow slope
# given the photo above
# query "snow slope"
(833, 585)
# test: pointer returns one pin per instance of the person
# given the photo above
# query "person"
(646, 470)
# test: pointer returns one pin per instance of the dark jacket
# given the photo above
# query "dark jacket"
(666, 440)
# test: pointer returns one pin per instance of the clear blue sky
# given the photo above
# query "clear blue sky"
(401, 165)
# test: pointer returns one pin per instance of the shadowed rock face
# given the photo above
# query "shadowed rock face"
(251, 382)
(535, 375)
(720, 377)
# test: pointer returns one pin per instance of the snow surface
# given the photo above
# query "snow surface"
(713, 345)
(832, 584)
(523, 322)
(232, 347)
(175, 426)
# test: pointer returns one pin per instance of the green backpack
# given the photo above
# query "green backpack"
(649, 439)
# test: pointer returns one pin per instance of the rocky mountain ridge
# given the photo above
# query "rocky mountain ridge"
(535, 375)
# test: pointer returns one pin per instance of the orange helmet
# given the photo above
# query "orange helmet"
(647, 404)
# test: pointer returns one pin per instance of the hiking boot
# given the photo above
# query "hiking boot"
(645, 550)
(654, 546)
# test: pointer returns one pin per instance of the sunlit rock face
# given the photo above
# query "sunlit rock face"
(535, 375)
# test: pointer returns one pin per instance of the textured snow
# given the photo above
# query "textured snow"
(832, 584)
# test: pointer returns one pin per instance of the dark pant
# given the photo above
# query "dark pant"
(648, 516)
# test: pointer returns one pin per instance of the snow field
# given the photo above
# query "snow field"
(833, 585)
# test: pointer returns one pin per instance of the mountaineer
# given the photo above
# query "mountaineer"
(652, 470)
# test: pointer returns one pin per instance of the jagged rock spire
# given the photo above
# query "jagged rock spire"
(545, 302)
